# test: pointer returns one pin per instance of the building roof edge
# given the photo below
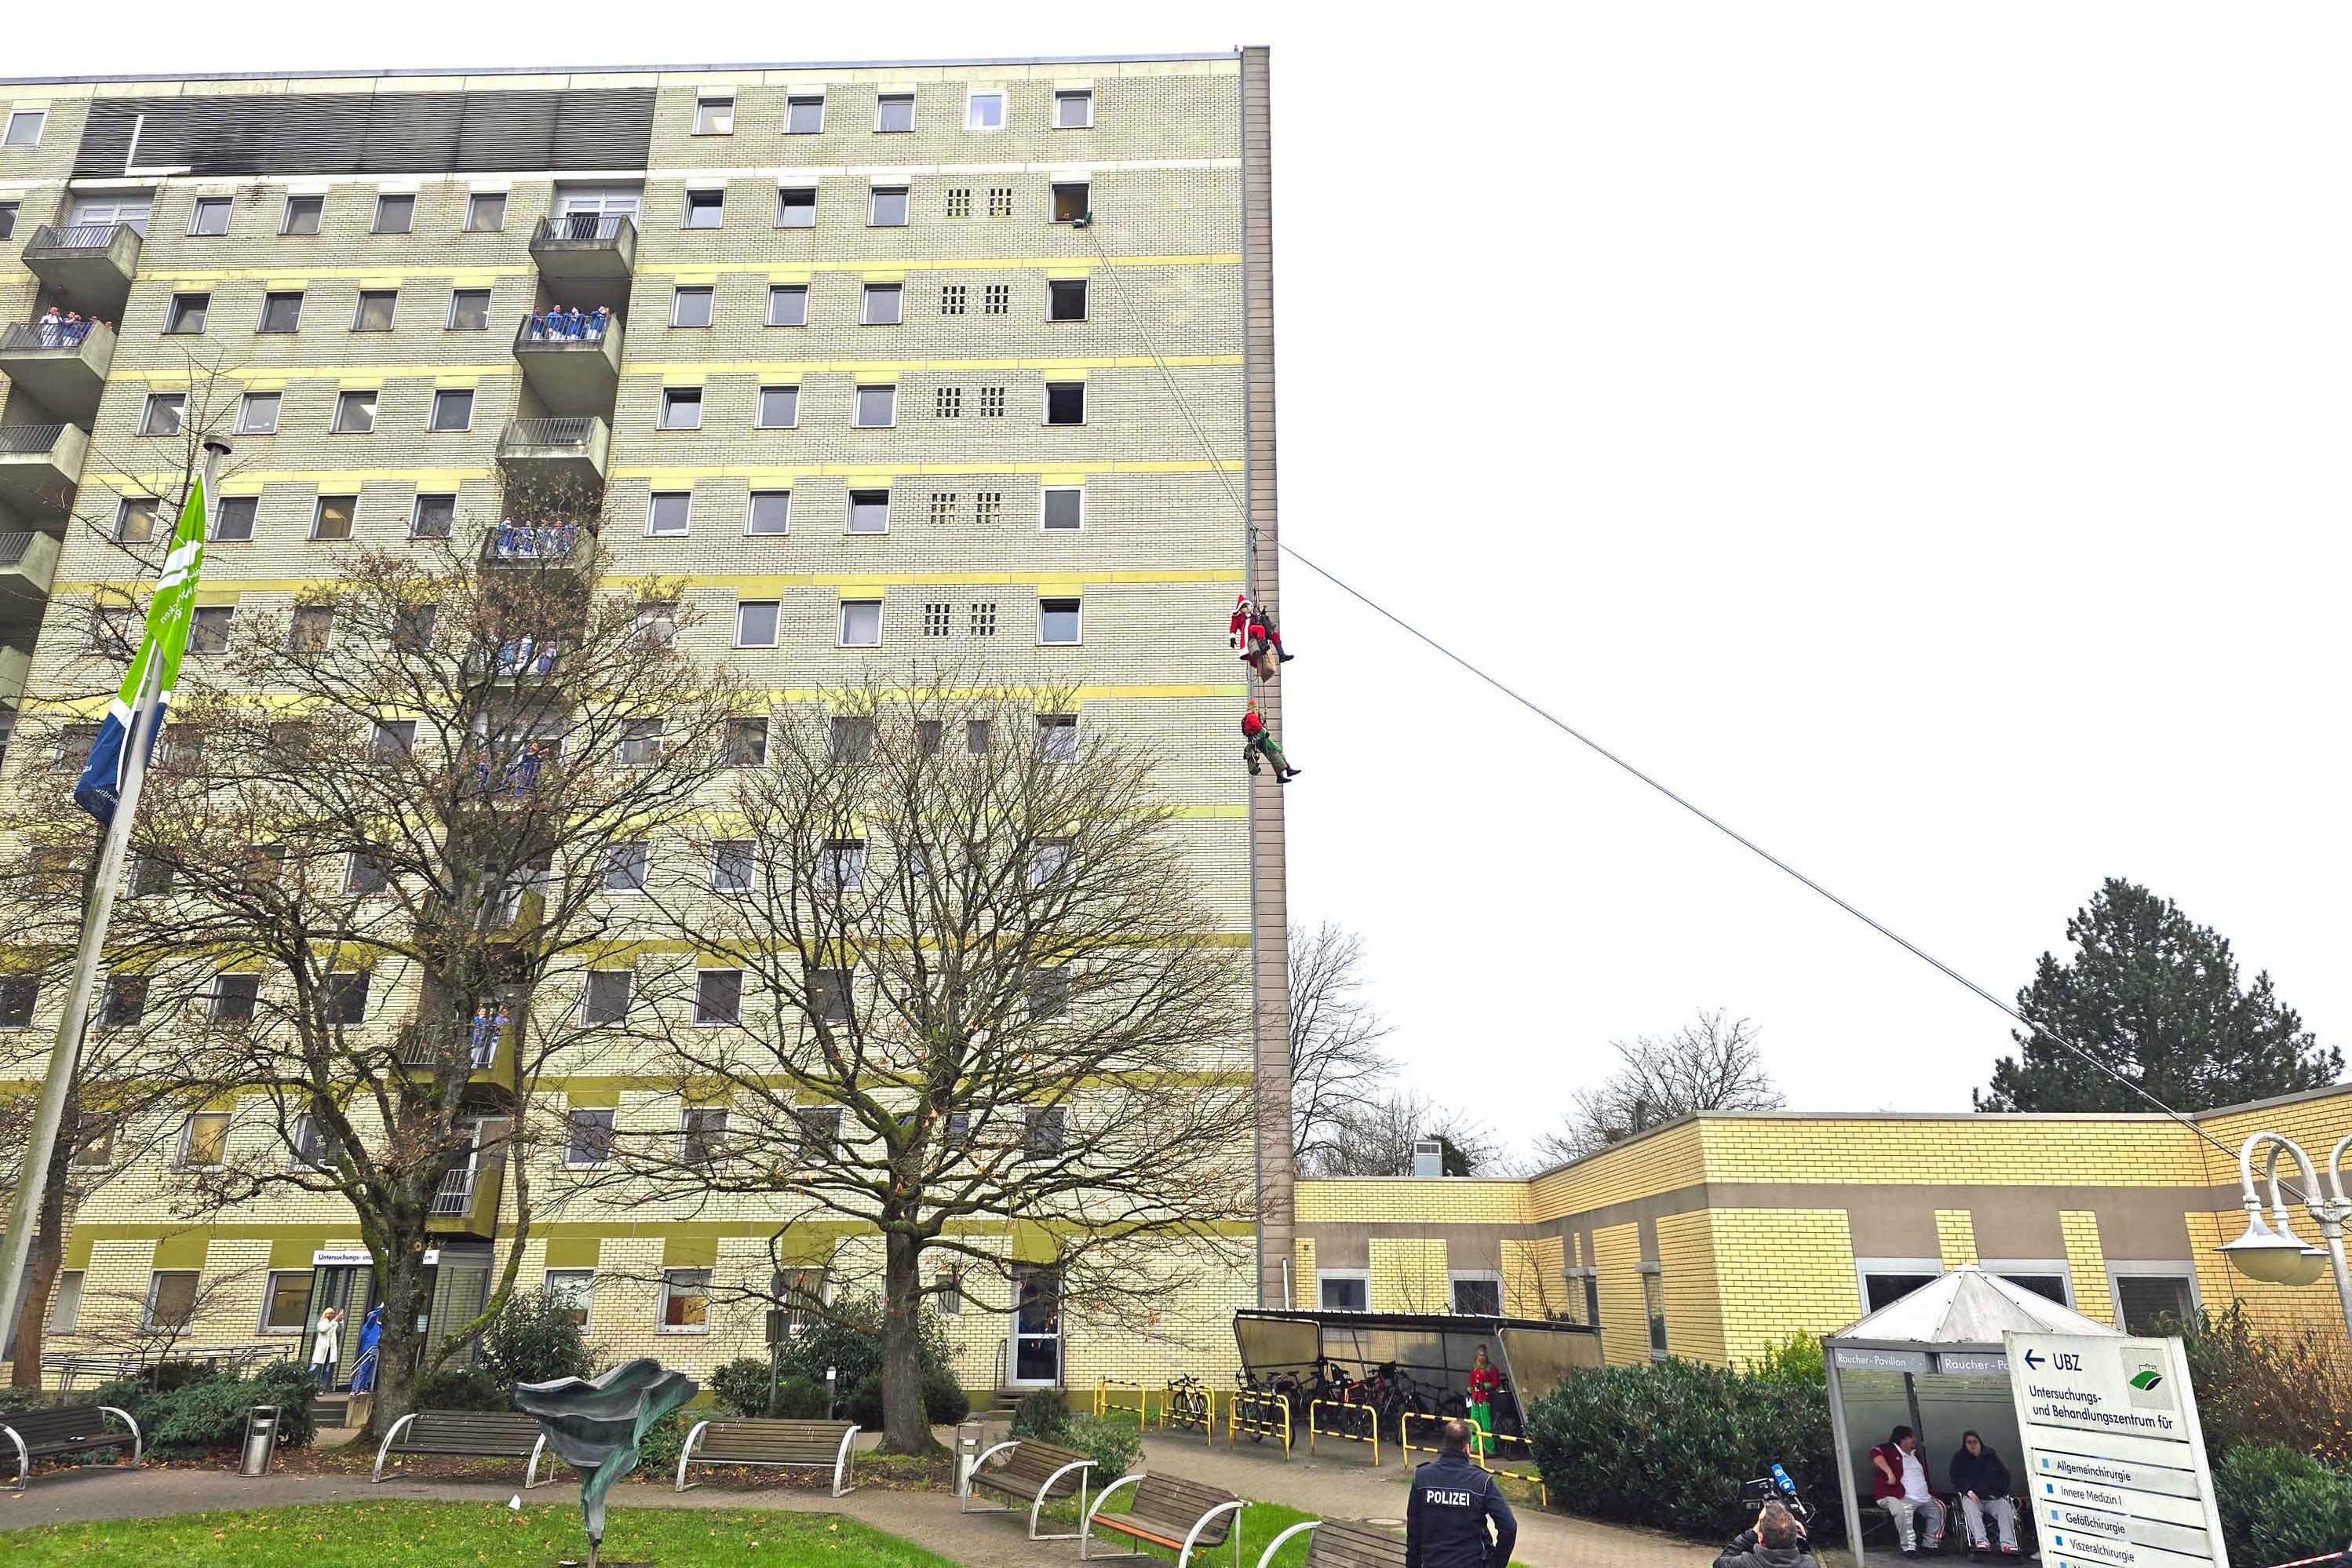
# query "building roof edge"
(414, 71)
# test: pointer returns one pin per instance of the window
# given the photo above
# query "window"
(208, 629)
(302, 215)
(170, 1300)
(412, 626)
(1884, 1287)
(771, 512)
(453, 411)
(390, 743)
(149, 877)
(25, 127)
(803, 114)
(9, 219)
(395, 212)
(286, 1301)
(1000, 201)
(958, 201)
(641, 743)
(375, 309)
(885, 207)
(235, 996)
(1344, 1292)
(1654, 1307)
(718, 999)
(689, 307)
(937, 619)
(947, 1290)
(657, 621)
(943, 507)
(93, 1143)
(354, 413)
(796, 208)
(134, 520)
(820, 1127)
(1057, 620)
(744, 744)
(307, 1145)
(850, 738)
(861, 623)
(2144, 1301)
(1478, 1295)
(755, 623)
(204, 1140)
(625, 863)
(17, 999)
(281, 313)
(788, 304)
(869, 511)
(665, 513)
(706, 209)
(831, 993)
(572, 1291)
(732, 864)
(983, 619)
(1070, 200)
(65, 1302)
(209, 216)
(1064, 508)
(685, 1300)
(1065, 403)
(257, 413)
(331, 518)
(894, 111)
(124, 1001)
(681, 408)
(1057, 737)
(779, 407)
(947, 403)
(715, 116)
(1049, 989)
(486, 212)
(606, 1000)
(996, 298)
(1044, 1131)
(976, 732)
(2050, 1285)
(877, 407)
(1074, 108)
(1066, 300)
(311, 627)
(991, 403)
(841, 865)
(882, 305)
(433, 517)
(363, 874)
(347, 997)
(164, 413)
(1593, 1297)
(1051, 858)
(984, 111)
(953, 298)
(186, 316)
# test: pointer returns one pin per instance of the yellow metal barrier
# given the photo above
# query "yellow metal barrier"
(1261, 1414)
(1112, 1394)
(1362, 1415)
(1406, 1446)
(1172, 1398)
(1497, 1447)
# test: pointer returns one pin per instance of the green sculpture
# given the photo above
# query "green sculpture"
(596, 1425)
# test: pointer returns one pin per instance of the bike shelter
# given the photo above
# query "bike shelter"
(1932, 1361)
(1435, 1350)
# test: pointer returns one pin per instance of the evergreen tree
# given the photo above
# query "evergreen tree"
(2156, 996)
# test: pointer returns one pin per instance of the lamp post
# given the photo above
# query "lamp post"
(2271, 1252)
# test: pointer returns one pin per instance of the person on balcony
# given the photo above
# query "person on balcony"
(597, 323)
(49, 323)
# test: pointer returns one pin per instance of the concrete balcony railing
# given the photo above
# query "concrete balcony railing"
(586, 251)
(466, 1202)
(28, 565)
(16, 664)
(572, 375)
(89, 265)
(40, 465)
(61, 366)
(556, 452)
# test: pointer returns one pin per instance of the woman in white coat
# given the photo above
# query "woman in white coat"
(327, 1349)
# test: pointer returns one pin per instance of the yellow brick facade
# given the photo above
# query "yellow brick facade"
(1956, 1236)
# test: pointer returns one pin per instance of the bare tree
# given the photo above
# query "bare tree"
(1336, 1062)
(1375, 1138)
(959, 982)
(1710, 1064)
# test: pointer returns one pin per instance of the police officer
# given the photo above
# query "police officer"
(1452, 1500)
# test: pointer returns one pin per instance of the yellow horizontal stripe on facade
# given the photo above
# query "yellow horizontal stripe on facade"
(347, 372)
(948, 264)
(897, 366)
(772, 583)
(325, 478)
(395, 276)
(686, 473)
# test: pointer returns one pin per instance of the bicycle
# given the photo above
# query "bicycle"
(1187, 1404)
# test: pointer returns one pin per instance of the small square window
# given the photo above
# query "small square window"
(1000, 201)
(1074, 109)
(944, 507)
(894, 111)
(233, 519)
(988, 507)
(1057, 621)
(977, 734)
(210, 216)
(657, 622)
(187, 313)
(123, 1003)
(257, 413)
(851, 738)
(331, 518)
(953, 298)
(302, 215)
(164, 413)
(841, 865)
(831, 992)
(234, 997)
(389, 742)
(732, 865)
(573, 1290)
(869, 511)
(375, 309)
(9, 219)
(134, 520)
(744, 744)
(984, 111)
(714, 116)
(1057, 738)
(281, 313)
(882, 304)
(469, 310)
(958, 201)
(991, 403)
(690, 307)
(1344, 1292)
(788, 304)
(861, 623)
(1066, 300)
(983, 619)
(312, 628)
(803, 114)
(938, 620)
(755, 623)
(717, 999)
(771, 513)
(796, 207)
(947, 403)
(877, 406)
(681, 408)
(779, 407)
(24, 128)
(354, 413)
(1065, 403)
(1065, 510)
(605, 1001)
(996, 300)
(395, 213)
(625, 864)
(433, 517)
(486, 212)
(208, 629)
(706, 209)
(886, 207)
(452, 410)
(347, 997)
(1069, 200)
(171, 1293)
(665, 513)
(685, 1300)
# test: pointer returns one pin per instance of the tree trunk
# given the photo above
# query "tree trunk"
(48, 1255)
(905, 1428)
(402, 1263)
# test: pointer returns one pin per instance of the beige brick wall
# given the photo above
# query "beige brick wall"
(1408, 1275)
(1782, 1271)
(1686, 1267)
(1625, 1324)
(1956, 1236)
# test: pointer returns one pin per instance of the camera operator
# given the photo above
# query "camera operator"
(1776, 1541)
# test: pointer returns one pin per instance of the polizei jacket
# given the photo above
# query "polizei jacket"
(1446, 1513)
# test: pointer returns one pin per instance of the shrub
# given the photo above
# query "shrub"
(1796, 1358)
(534, 1340)
(291, 1387)
(464, 1388)
(1043, 1414)
(742, 1386)
(944, 1400)
(1113, 1446)
(657, 1450)
(848, 1339)
(210, 1411)
(2255, 1389)
(2278, 1505)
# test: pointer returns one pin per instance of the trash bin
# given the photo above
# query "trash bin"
(967, 1443)
(260, 1440)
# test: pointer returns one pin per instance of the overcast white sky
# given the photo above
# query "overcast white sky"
(1916, 432)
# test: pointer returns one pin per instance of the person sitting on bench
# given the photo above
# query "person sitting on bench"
(1899, 1485)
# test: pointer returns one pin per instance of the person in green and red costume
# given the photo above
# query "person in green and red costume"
(1485, 1384)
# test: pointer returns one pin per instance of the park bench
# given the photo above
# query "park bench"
(470, 1434)
(1341, 1543)
(819, 1444)
(1028, 1473)
(1169, 1512)
(65, 1429)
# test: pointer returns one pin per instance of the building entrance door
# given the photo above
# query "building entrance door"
(1036, 1349)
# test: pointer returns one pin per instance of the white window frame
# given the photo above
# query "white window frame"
(1076, 730)
(61, 1321)
(661, 418)
(1863, 1268)
(2118, 1270)
(449, 322)
(433, 426)
(1360, 1276)
(913, 98)
(759, 409)
(612, 1129)
(359, 304)
(1455, 1276)
(196, 211)
(1052, 195)
(285, 214)
(178, 400)
(187, 1140)
(1054, 115)
(808, 185)
(1649, 1270)
(707, 107)
(749, 505)
(147, 1322)
(867, 294)
(792, 99)
(245, 425)
(253, 521)
(375, 223)
(1004, 109)
(261, 320)
(2041, 1265)
(1086, 286)
(769, 318)
(587, 1303)
(40, 119)
(841, 624)
(849, 513)
(473, 206)
(1044, 492)
(686, 208)
(857, 407)
(262, 1324)
(319, 516)
(661, 1302)
(653, 511)
(335, 425)
(680, 292)
(1075, 641)
(775, 632)
(1046, 406)
(903, 189)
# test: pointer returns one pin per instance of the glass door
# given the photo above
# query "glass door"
(1036, 1326)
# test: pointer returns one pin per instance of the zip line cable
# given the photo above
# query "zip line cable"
(1889, 932)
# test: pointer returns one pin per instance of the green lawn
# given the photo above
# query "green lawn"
(451, 1534)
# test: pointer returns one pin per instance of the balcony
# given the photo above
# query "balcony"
(466, 1202)
(513, 543)
(28, 563)
(39, 467)
(556, 453)
(63, 369)
(88, 266)
(14, 664)
(572, 375)
(582, 253)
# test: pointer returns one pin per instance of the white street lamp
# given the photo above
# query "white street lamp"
(2271, 1252)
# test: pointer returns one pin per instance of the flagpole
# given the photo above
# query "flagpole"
(24, 1214)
